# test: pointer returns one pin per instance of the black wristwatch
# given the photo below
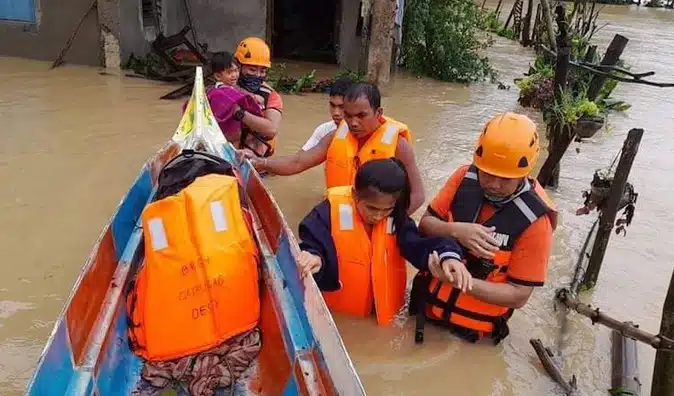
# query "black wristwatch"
(239, 114)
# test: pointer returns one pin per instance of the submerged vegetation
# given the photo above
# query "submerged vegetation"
(571, 108)
(442, 40)
(537, 91)
(493, 24)
(281, 82)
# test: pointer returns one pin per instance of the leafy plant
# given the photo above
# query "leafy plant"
(354, 75)
(507, 33)
(281, 82)
(442, 40)
(536, 90)
(570, 108)
(579, 45)
(491, 21)
(304, 83)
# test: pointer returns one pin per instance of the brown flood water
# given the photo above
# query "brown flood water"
(73, 140)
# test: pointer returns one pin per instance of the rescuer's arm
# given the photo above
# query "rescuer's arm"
(527, 268)
(476, 238)
(297, 162)
(438, 221)
(263, 126)
(503, 294)
(405, 154)
(316, 239)
(416, 248)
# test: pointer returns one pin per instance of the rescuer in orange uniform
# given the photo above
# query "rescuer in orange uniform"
(259, 134)
(364, 135)
(357, 241)
(504, 222)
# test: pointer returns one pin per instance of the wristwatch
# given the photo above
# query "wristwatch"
(239, 114)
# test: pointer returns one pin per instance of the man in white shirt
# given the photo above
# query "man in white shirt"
(337, 91)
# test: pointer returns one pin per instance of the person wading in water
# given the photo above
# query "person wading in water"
(356, 244)
(364, 135)
(503, 220)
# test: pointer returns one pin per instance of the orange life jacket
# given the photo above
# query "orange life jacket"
(344, 157)
(198, 286)
(370, 269)
(471, 317)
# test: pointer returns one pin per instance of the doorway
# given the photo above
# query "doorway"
(305, 30)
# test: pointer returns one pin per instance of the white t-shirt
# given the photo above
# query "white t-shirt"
(319, 133)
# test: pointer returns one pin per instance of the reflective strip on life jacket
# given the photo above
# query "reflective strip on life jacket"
(344, 157)
(451, 305)
(198, 285)
(370, 270)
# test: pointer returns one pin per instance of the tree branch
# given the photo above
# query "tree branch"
(551, 368)
(595, 69)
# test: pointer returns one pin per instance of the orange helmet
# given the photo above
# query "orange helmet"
(253, 51)
(508, 146)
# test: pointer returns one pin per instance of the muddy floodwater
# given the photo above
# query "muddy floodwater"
(72, 141)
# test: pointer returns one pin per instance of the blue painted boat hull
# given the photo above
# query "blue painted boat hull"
(88, 351)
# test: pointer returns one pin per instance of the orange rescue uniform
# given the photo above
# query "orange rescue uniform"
(198, 286)
(272, 100)
(523, 227)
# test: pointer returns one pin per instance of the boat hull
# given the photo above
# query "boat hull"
(88, 351)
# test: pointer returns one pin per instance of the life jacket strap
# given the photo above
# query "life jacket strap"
(421, 297)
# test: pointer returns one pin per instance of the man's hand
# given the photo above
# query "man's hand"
(450, 271)
(308, 263)
(477, 239)
(246, 154)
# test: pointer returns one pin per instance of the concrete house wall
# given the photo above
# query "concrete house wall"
(55, 21)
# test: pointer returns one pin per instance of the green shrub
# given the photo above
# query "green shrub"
(442, 40)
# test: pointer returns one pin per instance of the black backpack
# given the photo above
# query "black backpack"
(182, 170)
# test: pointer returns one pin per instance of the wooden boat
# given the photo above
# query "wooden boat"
(88, 351)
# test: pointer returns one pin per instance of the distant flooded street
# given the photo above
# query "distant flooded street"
(73, 141)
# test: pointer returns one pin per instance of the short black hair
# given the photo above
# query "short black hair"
(221, 61)
(364, 90)
(340, 86)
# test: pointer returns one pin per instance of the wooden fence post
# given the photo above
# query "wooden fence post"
(535, 36)
(510, 16)
(613, 52)
(526, 26)
(559, 136)
(591, 52)
(608, 215)
(498, 9)
(550, 170)
(663, 371)
(547, 20)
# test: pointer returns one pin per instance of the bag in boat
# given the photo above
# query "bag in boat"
(198, 286)
(182, 170)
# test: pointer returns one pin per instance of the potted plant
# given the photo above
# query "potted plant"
(590, 120)
(580, 114)
(588, 125)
